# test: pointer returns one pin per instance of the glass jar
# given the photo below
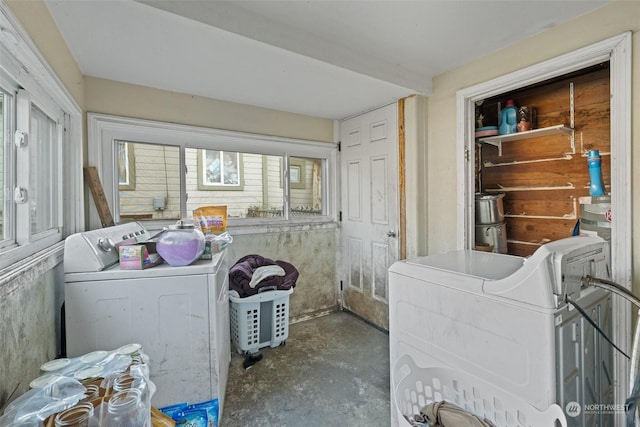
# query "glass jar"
(92, 392)
(524, 119)
(76, 416)
(128, 382)
(123, 382)
(125, 409)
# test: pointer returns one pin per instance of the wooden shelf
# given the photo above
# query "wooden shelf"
(497, 140)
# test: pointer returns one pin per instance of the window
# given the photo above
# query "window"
(40, 153)
(42, 187)
(31, 169)
(177, 169)
(219, 170)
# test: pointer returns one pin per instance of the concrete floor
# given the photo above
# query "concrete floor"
(333, 371)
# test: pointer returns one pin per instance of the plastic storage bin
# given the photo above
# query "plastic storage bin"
(259, 320)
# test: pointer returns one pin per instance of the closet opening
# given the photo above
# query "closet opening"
(532, 180)
(612, 56)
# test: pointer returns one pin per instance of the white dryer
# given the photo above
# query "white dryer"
(180, 315)
(493, 334)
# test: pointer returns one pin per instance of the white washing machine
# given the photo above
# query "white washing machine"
(180, 315)
(493, 334)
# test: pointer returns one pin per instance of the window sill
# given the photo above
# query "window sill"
(30, 268)
(281, 226)
(258, 226)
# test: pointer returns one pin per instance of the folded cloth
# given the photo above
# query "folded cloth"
(445, 414)
(261, 273)
(241, 273)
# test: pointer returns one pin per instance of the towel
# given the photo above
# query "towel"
(241, 274)
(261, 273)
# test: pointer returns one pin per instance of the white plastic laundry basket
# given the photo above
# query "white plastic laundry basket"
(416, 387)
(259, 320)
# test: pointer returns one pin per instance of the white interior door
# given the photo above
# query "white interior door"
(370, 220)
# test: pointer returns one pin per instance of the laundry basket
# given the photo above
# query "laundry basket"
(259, 320)
(416, 387)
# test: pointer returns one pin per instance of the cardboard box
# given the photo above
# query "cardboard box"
(139, 256)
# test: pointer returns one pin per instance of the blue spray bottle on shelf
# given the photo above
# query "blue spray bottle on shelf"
(596, 188)
(508, 118)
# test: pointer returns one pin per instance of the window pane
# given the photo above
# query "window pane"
(307, 190)
(250, 185)
(148, 181)
(3, 182)
(43, 179)
(219, 168)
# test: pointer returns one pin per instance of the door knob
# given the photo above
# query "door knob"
(391, 233)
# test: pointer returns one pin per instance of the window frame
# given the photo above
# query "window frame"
(22, 66)
(24, 235)
(9, 89)
(103, 129)
(130, 168)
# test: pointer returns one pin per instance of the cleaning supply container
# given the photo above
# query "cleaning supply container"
(596, 218)
(508, 119)
(180, 246)
(596, 188)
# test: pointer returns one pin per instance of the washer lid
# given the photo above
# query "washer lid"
(483, 265)
(163, 270)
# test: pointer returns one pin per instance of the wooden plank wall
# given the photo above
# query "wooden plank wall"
(543, 178)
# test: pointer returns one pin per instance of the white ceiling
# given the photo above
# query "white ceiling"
(329, 59)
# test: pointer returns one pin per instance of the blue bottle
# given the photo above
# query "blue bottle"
(596, 188)
(508, 119)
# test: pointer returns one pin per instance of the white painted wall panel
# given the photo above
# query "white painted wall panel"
(379, 196)
(353, 191)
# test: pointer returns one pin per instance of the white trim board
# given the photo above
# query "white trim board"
(617, 50)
